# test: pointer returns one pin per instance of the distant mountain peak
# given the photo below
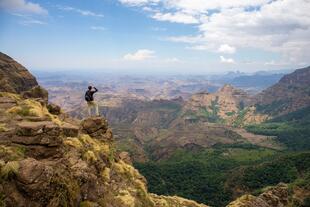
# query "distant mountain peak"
(227, 88)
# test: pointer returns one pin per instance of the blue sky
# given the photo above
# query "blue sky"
(176, 36)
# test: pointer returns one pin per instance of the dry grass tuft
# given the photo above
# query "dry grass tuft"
(9, 169)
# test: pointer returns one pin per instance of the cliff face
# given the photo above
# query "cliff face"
(14, 77)
(291, 93)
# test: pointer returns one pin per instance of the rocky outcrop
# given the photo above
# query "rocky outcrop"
(274, 197)
(97, 128)
(14, 77)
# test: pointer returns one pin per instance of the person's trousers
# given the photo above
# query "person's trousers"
(91, 105)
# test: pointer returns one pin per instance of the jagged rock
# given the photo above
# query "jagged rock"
(94, 126)
(14, 77)
(54, 109)
(108, 135)
(125, 156)
(30, 171)
(274, 197)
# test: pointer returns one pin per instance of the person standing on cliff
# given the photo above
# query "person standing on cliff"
(89, 98)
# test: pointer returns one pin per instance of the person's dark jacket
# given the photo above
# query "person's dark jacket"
(91, 92)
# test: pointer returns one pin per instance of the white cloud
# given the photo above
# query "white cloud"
(158, 29)
(142, 54)
(28, 22)
(98, 28)
(199, 47)
(22, 6)
(138, 2)
(197, 6)
(227, 60)
(203, 6)
(279, 26)
(226, 49)
(80, 11)
(177, 17)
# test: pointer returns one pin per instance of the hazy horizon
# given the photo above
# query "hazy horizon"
(81, 72)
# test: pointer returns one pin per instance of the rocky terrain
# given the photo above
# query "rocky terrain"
(228, 105)
(291, 93)
(274, 197)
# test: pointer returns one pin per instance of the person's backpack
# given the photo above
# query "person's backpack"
(88, 96)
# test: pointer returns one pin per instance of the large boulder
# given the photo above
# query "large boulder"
(96, 127)
(125, 156)
(54, 109)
